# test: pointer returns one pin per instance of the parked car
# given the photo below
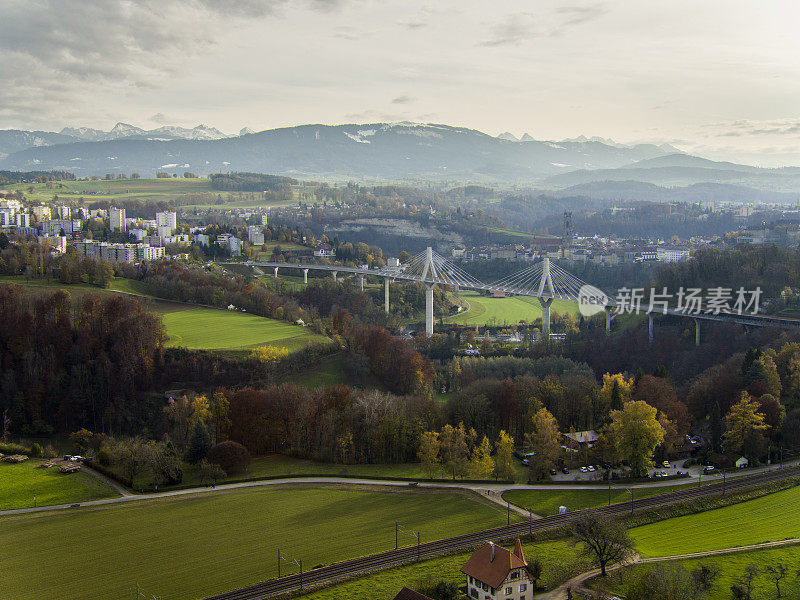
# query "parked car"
(708, 469)
(553, 472)
(665, 464)
(584, 470)
(565, 471)
(590, 468)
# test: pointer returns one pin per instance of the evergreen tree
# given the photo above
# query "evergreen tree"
(199, 444)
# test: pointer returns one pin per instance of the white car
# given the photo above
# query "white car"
(590, 468)
(584, 470)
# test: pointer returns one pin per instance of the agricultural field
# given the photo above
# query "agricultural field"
(754, 521)
(190, 547)
(329, 371)
(210, 329)
(559, 561)
(22, 482)
(483, 310)
(547, 502)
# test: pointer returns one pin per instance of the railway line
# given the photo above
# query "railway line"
(373, 562)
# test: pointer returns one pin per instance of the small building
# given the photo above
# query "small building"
(494, 573)
(583, 437)
(409, 594)
(742, 462)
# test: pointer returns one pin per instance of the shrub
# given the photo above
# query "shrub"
(199, 444)
(36, 450)
(103, 456)
(12, 448)
(229, 455)
(49, 451)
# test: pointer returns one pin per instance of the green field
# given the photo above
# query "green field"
(484, 310)
(547, 502)
(769, 518)
(329, 371)
(191, 547)
(209, 328)
(731, 567)
(21, 482)
(559, 562)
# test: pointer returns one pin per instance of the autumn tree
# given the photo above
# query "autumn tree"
(199, 443)
(481, 465)
(454, 449)
(545, 441)
(634, 432)
(616, 390)
(504, 457)
(743, 421)
(428, 454)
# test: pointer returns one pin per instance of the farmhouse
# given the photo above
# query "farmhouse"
(494, 573)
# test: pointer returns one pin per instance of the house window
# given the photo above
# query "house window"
(509, 591)
(515, 575)
(474, 593)
(523, 587)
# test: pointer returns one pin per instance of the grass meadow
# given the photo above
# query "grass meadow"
(764, 519)
(20, 483)
(505, 311)
(192, 547)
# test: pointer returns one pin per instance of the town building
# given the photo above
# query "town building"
(167, 219)
(22, 220)
(494, 573)
(255, 235)
(42, 212)
(117, 220)
(147, 252)
(666, 254)
(61, 227)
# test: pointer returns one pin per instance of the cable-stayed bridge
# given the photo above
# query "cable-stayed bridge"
(542, 280)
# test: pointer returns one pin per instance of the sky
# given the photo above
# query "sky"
(716, 78)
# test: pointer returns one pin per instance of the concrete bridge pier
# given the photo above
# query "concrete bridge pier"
(697, 332)
(608, 321)
(361, 281)
(429, 309)
(276, 272)
(335, 273)
(650, 327)
(545, 302)
(305, 275)
(386, 295)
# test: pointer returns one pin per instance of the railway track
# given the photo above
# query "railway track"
(391, 558)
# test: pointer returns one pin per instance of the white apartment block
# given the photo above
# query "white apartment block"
(57, 226)
(146, 252)
(58, 242)
(672, 254)
(22, 220)
(117, 219)
(255, 235)
(167, 219)
(202, 239)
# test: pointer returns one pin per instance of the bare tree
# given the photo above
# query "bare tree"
(777, 573)
(604, 540)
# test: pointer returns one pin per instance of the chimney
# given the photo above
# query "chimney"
(491, 545)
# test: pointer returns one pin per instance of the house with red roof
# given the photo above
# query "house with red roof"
(494, 573)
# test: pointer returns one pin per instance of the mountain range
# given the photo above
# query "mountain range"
(379, 151)
(410, 152)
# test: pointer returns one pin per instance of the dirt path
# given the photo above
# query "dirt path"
(117, 487)
(578, 583)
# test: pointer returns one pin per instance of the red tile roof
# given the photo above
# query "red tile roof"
(408, 594)
(491, 564)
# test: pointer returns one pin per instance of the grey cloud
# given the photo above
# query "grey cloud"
(412, 24)
(514, 30)
(518, 28)
(347, 33)
(403, 100)
(577, 14)
(159, 118)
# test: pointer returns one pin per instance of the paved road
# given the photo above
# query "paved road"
(494, 489)
(578, 583)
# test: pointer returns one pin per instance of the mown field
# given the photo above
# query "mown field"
(765, 519)
(20, 483)
(547, 502)
(559, 561)
(191, 326)
(192, 547)
(208, 329)
(506, 311)
(731, 567)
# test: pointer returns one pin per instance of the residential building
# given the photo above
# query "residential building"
(139, 234)
(42, 212)
(494, 573)
(164, 231)
(255, 235)
(235, 246)
(61, 227)
(6, 217)
(22, 220)
(63, 212)
(167, 219)
(58, 242)
(325, 253)
(202, 239)
(665, 254)
(117, 220)
(147, 252)
(107, 251)
(393, 263)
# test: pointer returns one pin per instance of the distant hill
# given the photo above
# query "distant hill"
(684, 170)
(380, 151)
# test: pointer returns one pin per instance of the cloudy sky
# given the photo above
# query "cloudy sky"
(718, 78)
